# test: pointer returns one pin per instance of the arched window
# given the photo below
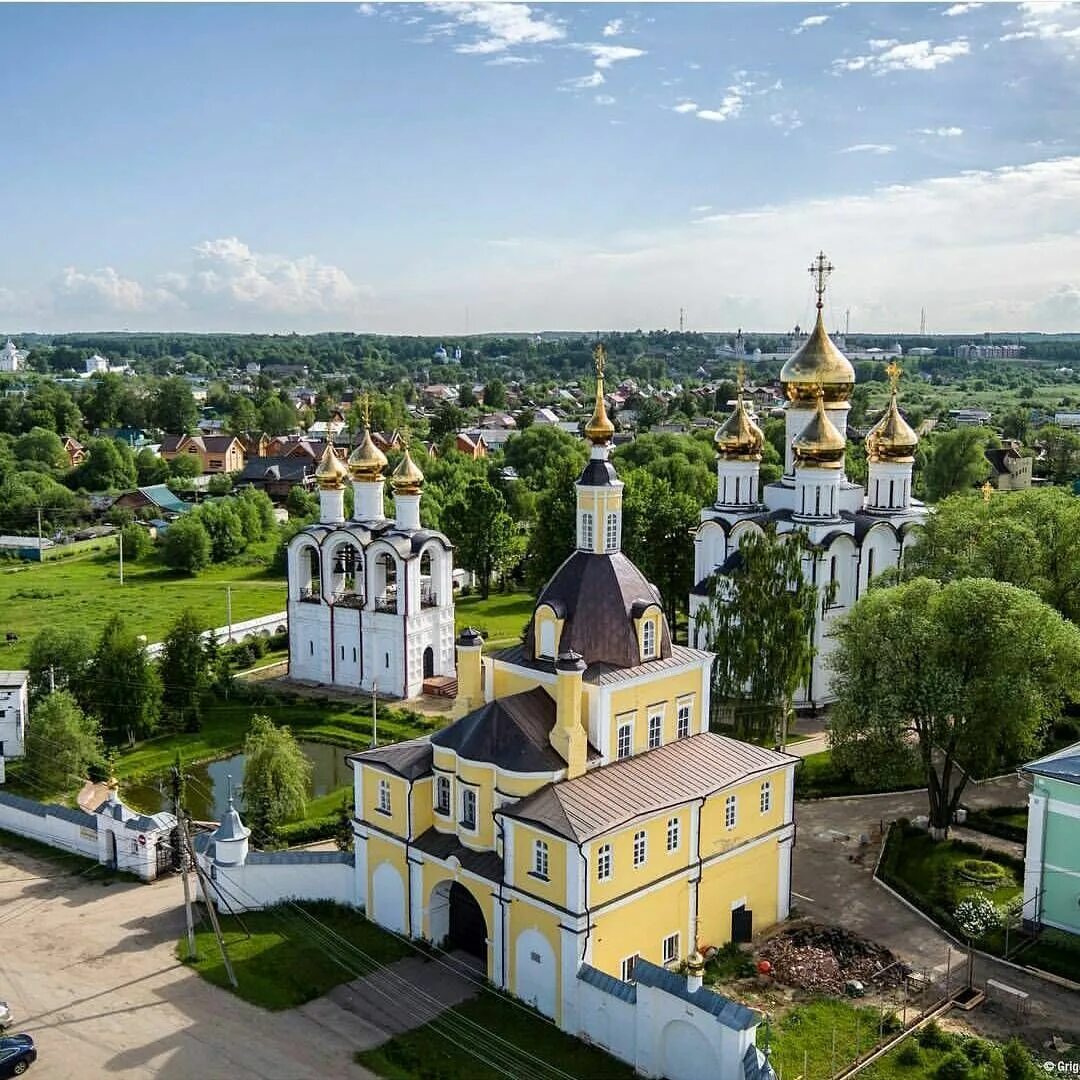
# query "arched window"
(429, 590)
(309, 575)
(586, 531)
(547, 639)
(648, 639)
(347, 569)
(386, 589)
(611, 533)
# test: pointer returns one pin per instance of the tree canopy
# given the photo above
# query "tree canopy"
(483, 533)
(61, 742)
(956, 462)
(277, 777)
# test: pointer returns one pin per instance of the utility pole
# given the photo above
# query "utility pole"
(211, 910)
(182, 825)
(682, 320)
(121, 536)
(41, 554)
(922, 323)
(228, 610)
(52, 679)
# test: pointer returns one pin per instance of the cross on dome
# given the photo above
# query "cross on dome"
(820, 269)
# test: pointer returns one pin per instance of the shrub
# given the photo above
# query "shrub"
(136, 541)
(981, 871)
(1018, 1061)
(910, 1055)
(976, 916)
(933, 1037)
(187, 545)
(976, 1050)
(307, 831)
(954, 1066)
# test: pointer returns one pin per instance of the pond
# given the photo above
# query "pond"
(207, 787)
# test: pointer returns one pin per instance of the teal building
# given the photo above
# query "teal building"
(1052, 859)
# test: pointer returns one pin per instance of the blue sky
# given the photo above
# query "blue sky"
(432, 168)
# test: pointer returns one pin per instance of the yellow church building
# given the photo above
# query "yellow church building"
(581, 812)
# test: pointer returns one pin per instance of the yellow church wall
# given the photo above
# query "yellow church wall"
(636, 699)
(482, 779)
(381, 851)
(640, 925)
(751, 877)
(553, 889)
(523, 916)
(508, 680)
(396, 821)
(749, 821)
(625, 877)
(423, 809)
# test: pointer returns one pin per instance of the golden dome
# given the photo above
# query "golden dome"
(407, 479)
(818, 364)
(331, 471)
(367, 461)
(739, 437)
(599, 429)
(820, 443)
(891, 438)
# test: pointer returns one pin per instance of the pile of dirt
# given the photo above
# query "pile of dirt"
(824, 958)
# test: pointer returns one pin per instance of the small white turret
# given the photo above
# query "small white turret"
(231, 837)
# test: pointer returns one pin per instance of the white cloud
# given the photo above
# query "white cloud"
(704, 209)
(941, 132)
(685, 107)
(811, 21)
(105, 289)
(892, 55)
(1059, 309)
(786, 121)
(1048, 20)
(584, 82)
(365, 9)
(500, 26)
(868, 148)
(512, 61)
(961, 9)
(604, 99)
(732, 103)
(606, 55)
(613, 28)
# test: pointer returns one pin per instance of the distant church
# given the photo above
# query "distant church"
(371, 603)
(859, 532)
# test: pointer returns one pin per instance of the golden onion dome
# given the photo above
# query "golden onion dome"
(367, 461)
(407, 479)
(891, 438)
(820, 443)
(599, 429)
(331, 471)
(818, 364)
(738, 437)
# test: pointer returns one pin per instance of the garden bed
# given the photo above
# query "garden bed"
(1006, 822)
(816, 777)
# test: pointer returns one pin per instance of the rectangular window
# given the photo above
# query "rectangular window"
(442, 789)
(641, 847)
(468, 809)
(729, 812)
(766, 796)
(625, 741)
(586, 531)
(611, 533)
(671, 948)
(674, 836)
(628, 966)
(603, 863)
(682, 725)
(648, 639)
(656, 730)
(384, 796)
(540, 859)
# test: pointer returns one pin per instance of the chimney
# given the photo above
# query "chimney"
(568, 736)
(470, 668)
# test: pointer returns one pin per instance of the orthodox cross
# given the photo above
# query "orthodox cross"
(599, 359)
(740, 378)
(987, 490)
(365, 409)
(820, 269)
(894, 371)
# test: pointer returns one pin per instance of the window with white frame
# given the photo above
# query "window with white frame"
(611, 533)
(384, 796)
(641, 847)
(468, 808)
(603, 863)
(674, 834)
(624, 742)
(671, 948)
(656, 729)
(540, 859)
(729, 812)
(586, 531)
(442, 794)
(547, 638)
(766, 796)
(628, 966)
(648, 639)
(682, 721)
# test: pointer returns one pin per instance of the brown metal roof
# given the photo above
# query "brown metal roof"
(635, 787)
(602, 674)
(596, 594)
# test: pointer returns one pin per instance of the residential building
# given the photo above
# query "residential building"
(1067, 419)
(277, 476)
(1052, 855)
(1010, 470)
(581, 812)
(370, 602)
(14, 713)
(970, 417)
(156, 497)
(474, 448)
(96, 364)
(858, 531)
(76, 452)
(988, 352)
(215, 453)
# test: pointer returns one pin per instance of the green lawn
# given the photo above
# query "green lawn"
(816, 777)
(426, 1053)
(1054, 951)
(281, 964)
(500, 618)
(85, 592)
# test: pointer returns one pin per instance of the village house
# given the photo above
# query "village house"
(1009, 469)
(278, 475)
(215, 453)
(76, 452)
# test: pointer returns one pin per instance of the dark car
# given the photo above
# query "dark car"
(17, 1054)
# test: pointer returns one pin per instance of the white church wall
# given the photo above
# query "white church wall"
(57, 826)
(266, 879)
(607, 1021)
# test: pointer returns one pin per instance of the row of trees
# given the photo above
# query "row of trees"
(218, 530)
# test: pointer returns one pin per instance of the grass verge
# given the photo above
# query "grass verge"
(425, 1054)
(500, 618)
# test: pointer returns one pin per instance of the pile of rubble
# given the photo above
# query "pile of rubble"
(824, 959)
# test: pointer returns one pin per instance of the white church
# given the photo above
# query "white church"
(859, 532)
(371, 604)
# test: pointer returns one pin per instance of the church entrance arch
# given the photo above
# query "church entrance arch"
(429, 662)
(687, 1054)
(456, 920)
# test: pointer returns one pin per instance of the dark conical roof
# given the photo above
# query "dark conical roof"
(598, 597)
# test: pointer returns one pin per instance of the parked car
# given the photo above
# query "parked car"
(17, 1054)
(6, 1019)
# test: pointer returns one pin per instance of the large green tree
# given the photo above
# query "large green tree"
(958, 679)
(124, 691)
(42, 447)
(552, 537)
(1062, 453)
(277, 778)
(186, 546)
(108, 466)
(224, 527)
(174, 409)
(539, 455)
(483, 533)
(59, 659)
(61, 742)
(685, 463)
(185, 674)
(760, 617)
(956, 462)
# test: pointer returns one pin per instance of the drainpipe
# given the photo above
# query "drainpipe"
(404, 609)
(697, 883)
(333, 659)
(502, 903)
(588, 914)
(408, 865)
